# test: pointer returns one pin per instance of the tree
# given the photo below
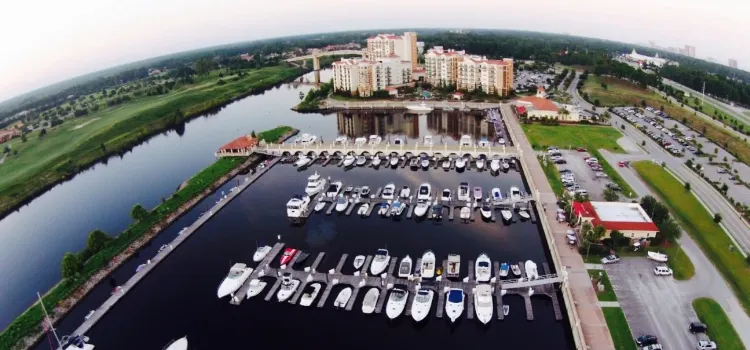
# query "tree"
(643, 103)
(252, 134)
(717, 218)
(6, 150)
(595, 235)
(97, 240)
(203, 66)
(618, 238)
(139, 212)
(724, 188)
(610, 195)
(687, 186)
(643, 143)
(70, 265)
(42, 133)
(23, 138)
(670, 230)
(656, 210)
(597, 102)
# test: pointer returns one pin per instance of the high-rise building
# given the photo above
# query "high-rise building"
(467, 72)
(392, 46)
(733, 63)
(363, 77)
(689, 51)
(441, 66)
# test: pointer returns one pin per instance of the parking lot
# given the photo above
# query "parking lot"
(525, 80)
(584, 177)
(653, 304)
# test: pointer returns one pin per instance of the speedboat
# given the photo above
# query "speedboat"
(516, 270)
(495, 165)
(483, 268)
(480, 163)
(425, 163)
(425, 192)
(507, 214)
(437, 212)
(320, 206)
(486, 211)
(375, 140)
(483, 303)
(454, 306)
(524, 214)
(460, 163)
(333, 189)
(376, 161)
(297, 206)
(454, 265)
(404, 268)
(478, 194)
(531, 272)
(349, 160)
(315, 184)
(421, 305)
(383, 209)
(302, 161)
(341, 204)
(483, 142)
(394, 161)
(371, 299)
(179, 344)
(446, 197)
(237, 275)
(515, 194)
(505, 165)
(405, 192)
(398, 141)
(397, 208)
(256, 286)
(389, 191)
(421, 209)
(285, 258)
(359, 260)
(428, 264)
(341, 140)
(343, 297)
(361, 160)
(355, 193)
(396, 303)
(261, 253)
(380, 261)
(465, 140)
(364, 192)
(497, 196)
(465, 213)
(503, 269)
(446, 164)
(506, 310)
(305, 139)
(288, 287)
(308, 298)
(360, 141)
(422, 107)
(463, 192)
(362, 211)
(501, 141)
(414, 163)
(428, 140)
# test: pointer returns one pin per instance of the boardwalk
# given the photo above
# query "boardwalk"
(384, 148)
(332, 104)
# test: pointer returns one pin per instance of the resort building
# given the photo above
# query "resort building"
(9, 134)
(539, 108)
(641, 59)
(468, 72)
(363, 77)
(441, 66)
(403, 47)
(628, 218)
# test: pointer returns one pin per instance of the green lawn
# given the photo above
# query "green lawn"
(679, 262)
(720, 329)
(618, 328)
(700, 225)
(608, 294)
(553, 176)
(573, 136)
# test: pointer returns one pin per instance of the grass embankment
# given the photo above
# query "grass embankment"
(274, 134)
(623, 93)
(75, 145)
(591, 137)
(618, 328)
(553, 176)
(682, 268)
(698, 222)
(720, 329)
(608, 294)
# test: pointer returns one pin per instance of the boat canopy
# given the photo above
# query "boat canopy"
(423, 292)
(455, 296)
(381, 252)
(484, 264)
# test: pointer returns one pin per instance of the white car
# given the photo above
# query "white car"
(706, 345)
(662, 271)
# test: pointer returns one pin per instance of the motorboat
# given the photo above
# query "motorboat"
(348, 191)
(497, 195)
(383, 209)
(463, 192)
(349, 160)
(375, 140)
(315, 184)
(397, 208)
(394, 161)
(297, 206)
(425, 163)
(359, 260)
(428, 264)
(454, 265)
(483, 303)
(454, 305)
(343, 297)
(504, 269)
(288, 287)
(405, 192)
(501, 141)
(516, 270)
(421, 305)
(414, 163)
(380, 261)
(478, 194)
(465, 213)
(364, 192)
(320, 206)
(285, 258)
(506, 310)
(261, 253)
(360, 141)
(421, 208)
(446, 164)
(389, 191)
(658, 257)
(422, 107)
(333, 189)
(427, 140)
(341, 140)
(446, 196)
(302, 161)
(465, 140)
(361, 160)
(483, 268)
(302, 256)
(483, 142)
(398, 141)
(495, 165)
(305, 139)
(341, 204)
(531, 272)
(396, 303)
(371, 299)
(255, 287)
(312, 293)
(486, 211)
(425, 192)
(362, 211)
(515, 194)
(506, 214)
(460, 163)
(179, 344)
(437, 212)
(237, 275)
(505, 165)
(480, 163)
(524, 214)
(376, 161)
(404, 268)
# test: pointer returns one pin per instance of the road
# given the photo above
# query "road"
(720, 105)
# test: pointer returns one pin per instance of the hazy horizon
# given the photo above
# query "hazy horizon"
(62, 41)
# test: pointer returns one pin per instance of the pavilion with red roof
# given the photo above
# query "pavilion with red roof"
(628, 218)
(241, 146)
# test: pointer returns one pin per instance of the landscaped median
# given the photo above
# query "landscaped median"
(699, 223)
(622, 337)
(720, 329)
(601, 276)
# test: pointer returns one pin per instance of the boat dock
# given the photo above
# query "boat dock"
(544, 285)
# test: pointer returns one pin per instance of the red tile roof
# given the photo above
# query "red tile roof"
(521, 109)
(541, 104)
(240, 143)
(458, 93)
(586, 210)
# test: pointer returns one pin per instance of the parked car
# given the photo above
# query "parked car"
(610, 259)
(581, 149)
(600, 174)
(561, 161)
(697, 327)
(706, 345)
(662, 271)
(652, 347)
(646, 340)
(613, 186)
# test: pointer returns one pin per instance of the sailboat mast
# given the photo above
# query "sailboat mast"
(48, 320)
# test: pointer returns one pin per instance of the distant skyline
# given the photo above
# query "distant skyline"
(45, 41)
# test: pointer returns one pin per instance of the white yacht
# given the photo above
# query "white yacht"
(480, 163)
(389, 191)
(394, 161)
(302, 161)
(425, 192)
(478, 194)
(80, 342)
(483, 303)
(507, 214)
(460, 163)
(414, 163)
(405, 192)
(454, 266)
(446, 164)
(375, 140)
(396, 303)
(318, 207)
(256, 286)
(305, 139)
(483, 268)
(454, 305)
(497, 195)
(504, 269)
(333, 189)
(495, 165)
(421, 305)
(501, 141)
(504, 163)
(360, 141)
(343, 297)
(341, 204)
(179, 344)
(362, 211)
(261, 253)
(397, 208)
(297, 206)
(341, 140)
(516, 270)
(465, 213)
(384, 207)
(421, 209)
(315, 184)
(425, 163)
(398, 141)
(531, 272)
(422, 107)
(404, 268)
(376, 161)
(483, 142)
(463, 192)
(446, 197)
(364, 192)
(524, 214)
(428, 264)
(288, 287)
(359, 260)
(361, 160)
(371, 299)
(428, 140)
(349, 160)
(308, 298)
(380, 261)
(515, 194)
(465, 140)
(486, 211)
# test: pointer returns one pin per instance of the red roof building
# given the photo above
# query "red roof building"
(241, 146)
(628, 218)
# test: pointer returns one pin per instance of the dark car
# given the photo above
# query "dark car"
(646, 340)
(561, 161)
(697, 327)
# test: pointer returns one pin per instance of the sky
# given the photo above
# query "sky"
(46, 41)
